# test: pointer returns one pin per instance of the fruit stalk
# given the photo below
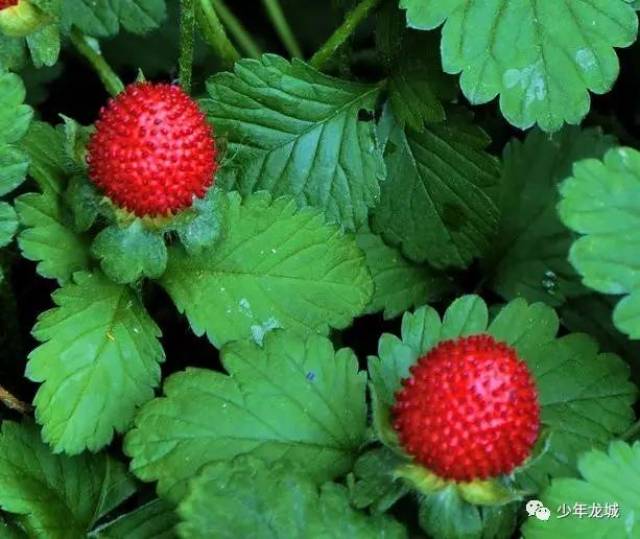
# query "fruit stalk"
(351, 22)
(90, 49)
(187, 28)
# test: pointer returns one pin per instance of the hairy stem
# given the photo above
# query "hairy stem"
(214, 33)
(187, 28)
(89, 48)
(282, 27)
(237, 30)
(346, 29)
(13, 402)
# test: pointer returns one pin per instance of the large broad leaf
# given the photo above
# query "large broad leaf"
(99, 360)
(8, 223)
(591, 314)
(529, 258)
(294, 399)
(14, 122)
(247, 498)
(48, 158)
(398, 284)
(273, 268)
(292, 130)
(602, 201)
(575, 383)
(438, 200)
(48, 237)
(102, 18)
(154, 520)
(542, 58)
(446, 516)
(604, 504)
(60, 497)
(416, 84)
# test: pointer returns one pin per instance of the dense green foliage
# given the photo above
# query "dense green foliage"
(391, 174)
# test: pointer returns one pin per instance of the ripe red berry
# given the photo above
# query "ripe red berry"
(7, 3)
(152, 151)
(469, 410)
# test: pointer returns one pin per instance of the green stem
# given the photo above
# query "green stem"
(237, 30)
(90, 49)
(187, 28)
(214, 34)
(282, 27)
(632, 433)
(351, 22)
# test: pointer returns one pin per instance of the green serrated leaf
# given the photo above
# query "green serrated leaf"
(129, 253)
(154, 520)
(8, 223)
(375, 484)
(102, 18)
(247, 498)
(438, 202)
(60, 497)
(447, 516)
(606, 498)
(44, 145)
(98, 362)
(398, 284)
(199, 227)
(542, 58)
(12, 53)
(141, 16)
(15, 118)
(13, 168)
(530, 257)
(83, 199)
(48, 238)
(273, 267)
(415, 84)
(294, 131)
(76, 140)
(592, 315)
(601, 202)
(295, 399)
(44, 45)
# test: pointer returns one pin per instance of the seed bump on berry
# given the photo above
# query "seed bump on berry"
(469, 410)
(152, 151)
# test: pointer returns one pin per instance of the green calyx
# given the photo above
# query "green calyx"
(487, 492)
(22, 20)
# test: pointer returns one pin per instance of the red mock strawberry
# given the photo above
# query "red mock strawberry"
(152, 151)
(7, 3)
(469, 410)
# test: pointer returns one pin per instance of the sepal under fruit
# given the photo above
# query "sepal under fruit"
(22, 19)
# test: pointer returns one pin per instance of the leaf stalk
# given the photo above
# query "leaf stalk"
(214, 33)
(279, 21)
